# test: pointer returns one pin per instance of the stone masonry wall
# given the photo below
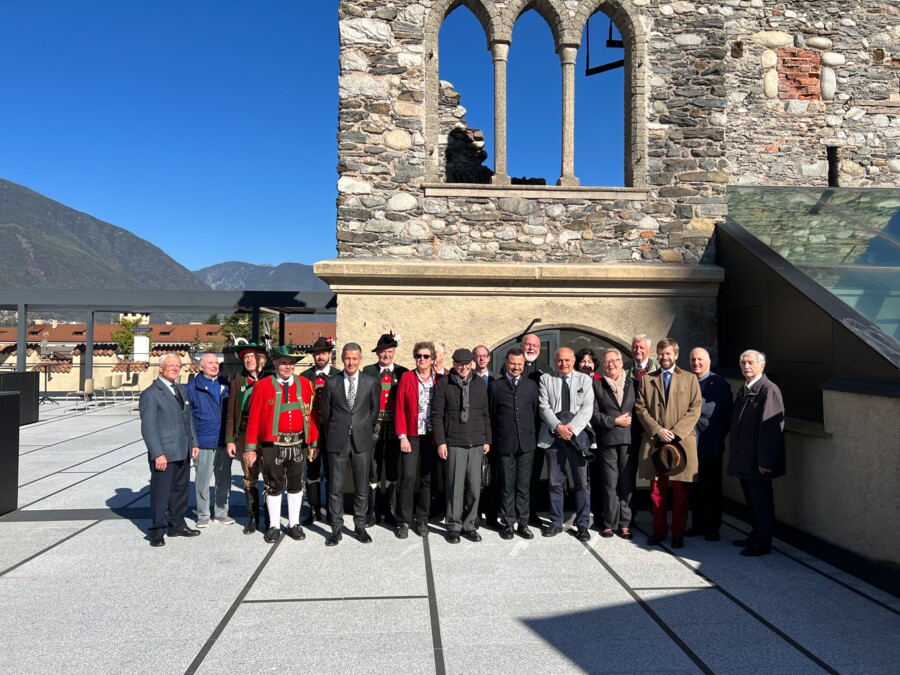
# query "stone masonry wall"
(706, 79)
(780, 123)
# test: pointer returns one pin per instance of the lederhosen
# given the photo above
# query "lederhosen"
(284, 459)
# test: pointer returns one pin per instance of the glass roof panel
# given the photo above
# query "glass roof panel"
(846, 239)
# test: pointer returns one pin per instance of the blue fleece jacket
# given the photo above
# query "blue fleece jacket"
(209, 403)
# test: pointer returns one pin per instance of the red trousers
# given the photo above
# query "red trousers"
(659, 495)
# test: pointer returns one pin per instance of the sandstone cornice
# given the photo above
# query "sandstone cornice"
(379, 276)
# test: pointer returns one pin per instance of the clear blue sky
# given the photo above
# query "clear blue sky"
(191, 123)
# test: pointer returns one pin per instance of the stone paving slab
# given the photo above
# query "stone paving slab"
(82, 592)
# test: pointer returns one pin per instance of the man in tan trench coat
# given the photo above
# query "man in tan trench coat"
(668, 407)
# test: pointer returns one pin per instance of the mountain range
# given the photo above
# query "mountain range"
(47, 244)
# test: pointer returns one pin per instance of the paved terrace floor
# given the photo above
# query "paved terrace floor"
(82, 591)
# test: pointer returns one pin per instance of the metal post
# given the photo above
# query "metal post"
(22, 341)
(281, 328)
(88, 350)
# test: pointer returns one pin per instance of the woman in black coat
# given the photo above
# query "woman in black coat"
(614, 472)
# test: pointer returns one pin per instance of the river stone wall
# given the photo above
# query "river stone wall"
(713, 105)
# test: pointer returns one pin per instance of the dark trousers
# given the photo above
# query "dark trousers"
(169, 496)
(613, 477)
(514, 483)
(760, 498)
(360, 466)
(385, 454)
(706, 496)
(280, 472)
(316, 474)
(489, 503)
(420, 462)
(537, 467)
(557, 454)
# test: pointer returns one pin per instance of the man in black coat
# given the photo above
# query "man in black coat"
(386, 455)
(705, 496)
(514, 406)
(317, 471)
(462, 432)
(757, 449)
(348, 413)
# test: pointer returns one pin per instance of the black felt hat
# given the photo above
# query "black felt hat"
(386, 341)
(322, 344)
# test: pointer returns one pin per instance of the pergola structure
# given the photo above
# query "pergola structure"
(138, 301)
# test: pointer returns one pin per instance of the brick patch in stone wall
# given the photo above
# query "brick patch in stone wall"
(798, 74)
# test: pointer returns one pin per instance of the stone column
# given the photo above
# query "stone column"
(500, 52)
(567, 57)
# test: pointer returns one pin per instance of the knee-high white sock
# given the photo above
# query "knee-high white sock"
(295, 501)
(273, 504)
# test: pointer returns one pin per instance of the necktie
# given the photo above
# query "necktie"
(667, 378)
(178, 396)
(565, 396)
(351, 392)
(284, 392)
(515, 381)
(641, 373)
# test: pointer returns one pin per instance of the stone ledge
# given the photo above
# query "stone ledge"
(384, 276)
(469, 190)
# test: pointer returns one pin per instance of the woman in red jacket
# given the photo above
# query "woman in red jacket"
(412, 421)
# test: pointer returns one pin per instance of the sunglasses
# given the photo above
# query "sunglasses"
(423, 356)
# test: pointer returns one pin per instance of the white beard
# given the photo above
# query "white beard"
(531, 358)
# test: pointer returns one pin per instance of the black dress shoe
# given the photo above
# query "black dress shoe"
(334, 539)
(250, 527)
(453, 538)
(583, 534)
(743, 543)
(713, 536)
(471, 535)
(422, 528)
(362, 536)
(677, 542)
(370, 520)
(507, 533)
(756, 551)
(185, 532)
(552, 531)
(296, 533)
(524, 532)
(158, 540)
(402, 531)
(694, 532)
(655, 539)
(273, 534)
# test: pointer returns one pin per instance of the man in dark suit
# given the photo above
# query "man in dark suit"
(489, 502)
(534, 368)
(705, 496)
(386, 453)
(168, 430)
(349, 411)
(513, 404)
(756, 449)
(317, 471)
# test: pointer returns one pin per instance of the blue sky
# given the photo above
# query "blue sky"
(194, 123)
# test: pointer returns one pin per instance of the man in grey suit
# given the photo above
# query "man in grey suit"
(168, 430)
(566, 404)
(349, 409)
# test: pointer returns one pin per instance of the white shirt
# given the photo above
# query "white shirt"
(347, 378)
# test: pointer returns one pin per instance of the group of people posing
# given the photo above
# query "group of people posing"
(474, 441)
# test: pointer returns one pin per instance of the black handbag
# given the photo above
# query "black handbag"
(486, 476)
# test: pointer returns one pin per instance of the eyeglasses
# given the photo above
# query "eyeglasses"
(423, 356)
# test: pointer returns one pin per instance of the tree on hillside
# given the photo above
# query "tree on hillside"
(237, 325)
(213, 318)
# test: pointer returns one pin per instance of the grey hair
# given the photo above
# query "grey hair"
(209, 354)
(641, 337)
(351, 347)
(440, 346)
(165, 357)
(610, 350)
(759, 356)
